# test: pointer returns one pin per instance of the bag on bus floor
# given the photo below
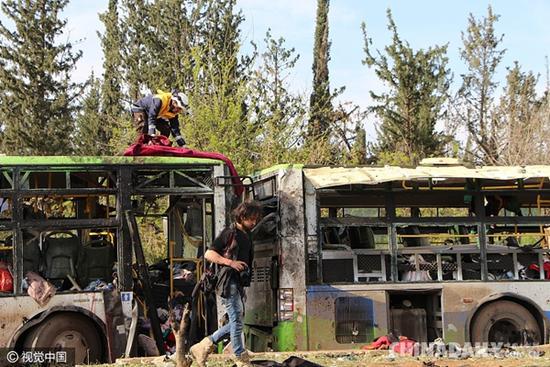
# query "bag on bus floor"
(6, 280)
(39, 288)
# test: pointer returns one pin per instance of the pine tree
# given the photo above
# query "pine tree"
(172, 66)
(116, 126)
(91, 134)
(320, 100)
(113, 119)
(135, 53)
(358, 152)
(111, 42)
(218, 97)
(38, 96)
(418, 83)
(482, 55)
(276, 111)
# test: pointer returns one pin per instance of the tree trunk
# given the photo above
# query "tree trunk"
(180, 332)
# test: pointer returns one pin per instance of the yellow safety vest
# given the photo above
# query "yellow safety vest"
(165, 98)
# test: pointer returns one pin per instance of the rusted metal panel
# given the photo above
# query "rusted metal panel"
(321, 315)
(259, 308)
(292, 251)
(18, 310)
(459, 301)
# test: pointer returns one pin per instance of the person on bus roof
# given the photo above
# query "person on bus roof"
(233, 251)
(160, 112)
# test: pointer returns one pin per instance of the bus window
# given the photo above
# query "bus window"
(5, 209)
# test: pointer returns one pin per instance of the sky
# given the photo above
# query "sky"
(422, 23)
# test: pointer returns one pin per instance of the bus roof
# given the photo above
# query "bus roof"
(100, 160)
(323, 177)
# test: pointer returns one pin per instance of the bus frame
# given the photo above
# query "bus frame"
(115, 185)
(313, 290)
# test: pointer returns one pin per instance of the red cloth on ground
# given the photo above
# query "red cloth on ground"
(161, 146)
(382, 342)
(405, 346)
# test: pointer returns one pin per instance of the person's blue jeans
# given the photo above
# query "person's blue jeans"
(234, 308)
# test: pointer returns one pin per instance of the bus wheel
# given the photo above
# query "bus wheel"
(68, 331)
(505, 322)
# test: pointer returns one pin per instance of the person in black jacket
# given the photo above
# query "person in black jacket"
(233, 251)
(160, 112)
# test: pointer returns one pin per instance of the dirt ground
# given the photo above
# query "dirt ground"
(536, 356)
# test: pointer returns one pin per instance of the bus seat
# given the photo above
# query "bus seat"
(61, 253)
(361, 237)
(95, 261)
(335, 235)
(32, 256)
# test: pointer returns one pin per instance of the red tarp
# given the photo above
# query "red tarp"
(161, 146)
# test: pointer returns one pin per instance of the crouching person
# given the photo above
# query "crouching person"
(233, 251)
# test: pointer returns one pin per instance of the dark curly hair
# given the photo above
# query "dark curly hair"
(247, 210)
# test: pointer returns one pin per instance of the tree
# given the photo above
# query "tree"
(135, 55)
(38, 97)
(358, 152)
(91, 132)
(320, 101)
(174, 36)
(218, 122)
(482, 55)
(111, 88)
(275, 111)
(218, 97)
(418, 83)
(318, 147)
(111, 106)
(521, 135)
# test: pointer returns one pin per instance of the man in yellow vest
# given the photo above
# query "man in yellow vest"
(160, 112)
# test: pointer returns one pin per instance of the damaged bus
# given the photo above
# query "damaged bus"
(349, 254)
(74, 246)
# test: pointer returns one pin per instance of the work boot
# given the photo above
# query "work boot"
(201, 350)
(243, 360)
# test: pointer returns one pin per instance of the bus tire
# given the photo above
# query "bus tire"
(505, 322)
(68, 330)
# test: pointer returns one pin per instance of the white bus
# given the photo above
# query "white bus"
(437, 251)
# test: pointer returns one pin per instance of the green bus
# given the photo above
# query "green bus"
(67, 241)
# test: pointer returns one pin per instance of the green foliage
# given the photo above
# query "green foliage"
(117, 127)
(38, 97)
(111, 87)
(358, 153)
(219, 122)
(396, 158)
(321, 100)
(91, 134)
(418, 83)
(173, 38)
(135, 54)
(482, 55)
(524, 130)
(276, 112)
(326, 140)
